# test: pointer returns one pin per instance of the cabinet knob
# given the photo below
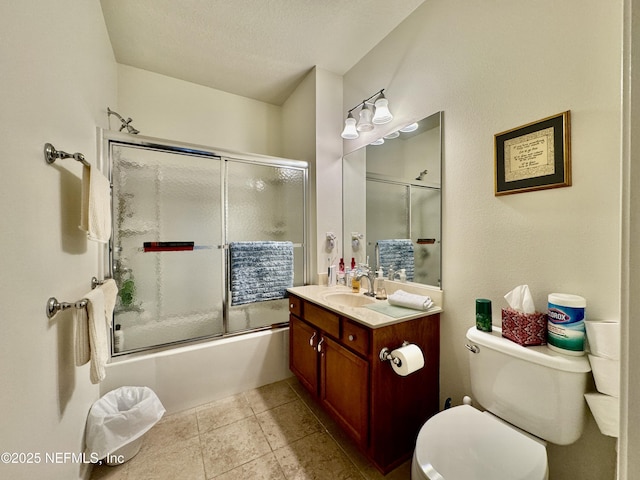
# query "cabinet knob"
(291, 305)
(320, 345)
(352, 338)
(311, 340)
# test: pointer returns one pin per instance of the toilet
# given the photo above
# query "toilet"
(531, 395)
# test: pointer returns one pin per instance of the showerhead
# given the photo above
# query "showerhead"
(422, 174)
(130, 129)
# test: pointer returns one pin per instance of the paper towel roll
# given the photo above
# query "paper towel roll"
(410, 359)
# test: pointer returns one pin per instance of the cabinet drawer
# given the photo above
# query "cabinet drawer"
(323, 319)
(355, 336)
(295, 306)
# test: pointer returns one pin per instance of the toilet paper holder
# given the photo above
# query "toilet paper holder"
(385, 354)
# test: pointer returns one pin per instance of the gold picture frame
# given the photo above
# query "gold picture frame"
(535, 156)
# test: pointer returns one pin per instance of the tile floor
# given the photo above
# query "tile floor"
(275, 432)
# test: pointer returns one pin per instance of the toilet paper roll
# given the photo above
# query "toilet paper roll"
(410, 359)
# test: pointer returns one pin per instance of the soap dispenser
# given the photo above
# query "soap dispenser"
(403, 275)
(381, 292)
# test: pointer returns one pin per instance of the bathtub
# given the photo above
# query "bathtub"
(188, 376)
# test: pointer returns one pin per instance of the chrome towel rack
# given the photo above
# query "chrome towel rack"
(54, 306)
(51, 155)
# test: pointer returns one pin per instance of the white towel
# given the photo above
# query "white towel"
(110, 291)
(82, 341)
(82, 350)
(95, 210)
(98, 336)
(401, 298)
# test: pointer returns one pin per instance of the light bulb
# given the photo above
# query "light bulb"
(350, 132)
(382, 115)
(364, 124)
(410, 128)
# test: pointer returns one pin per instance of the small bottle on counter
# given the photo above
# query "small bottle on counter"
(483, 314)
(381, 293)
(355, 282)
(118, 339)
(403, 275)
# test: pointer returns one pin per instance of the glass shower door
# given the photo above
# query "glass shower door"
(265, 202)
(399, 210)
(167, 235)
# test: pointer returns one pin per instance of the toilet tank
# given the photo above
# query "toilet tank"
(534, 388)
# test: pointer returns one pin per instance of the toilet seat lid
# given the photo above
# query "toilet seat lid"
(464, 443)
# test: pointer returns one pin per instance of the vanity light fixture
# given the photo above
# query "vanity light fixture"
(367, 118)
(379, 141)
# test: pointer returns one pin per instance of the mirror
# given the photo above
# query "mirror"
(392, 194)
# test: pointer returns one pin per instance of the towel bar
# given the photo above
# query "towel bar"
(51, 155)
(53, 306)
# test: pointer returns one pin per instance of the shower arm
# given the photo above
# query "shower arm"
(125, 123)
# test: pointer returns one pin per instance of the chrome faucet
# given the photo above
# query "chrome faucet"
(370, 275)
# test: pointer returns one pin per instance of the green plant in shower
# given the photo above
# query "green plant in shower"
(127, 290)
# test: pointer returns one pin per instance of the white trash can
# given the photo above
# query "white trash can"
(118, 420)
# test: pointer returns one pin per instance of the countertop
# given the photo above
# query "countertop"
(370, 318)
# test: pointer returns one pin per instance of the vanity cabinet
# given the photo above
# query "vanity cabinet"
(337, 360)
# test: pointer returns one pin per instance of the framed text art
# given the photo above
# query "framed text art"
(534, 157)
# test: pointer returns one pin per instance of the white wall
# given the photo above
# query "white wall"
(164, 107)
(328, 143)
(298, 142)
(311, 132)
(58, 76)
(492, 66)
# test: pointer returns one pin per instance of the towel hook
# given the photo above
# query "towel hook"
(51, 155)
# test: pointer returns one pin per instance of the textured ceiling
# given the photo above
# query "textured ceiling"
(259, 49)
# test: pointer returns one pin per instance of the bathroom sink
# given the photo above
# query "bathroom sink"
(347, 299)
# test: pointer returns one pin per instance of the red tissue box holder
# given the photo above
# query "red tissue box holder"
(525, 329)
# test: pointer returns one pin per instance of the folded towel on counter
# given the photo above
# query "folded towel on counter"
(397, 253)
(260, 271)
(401, 298)
(95, 207)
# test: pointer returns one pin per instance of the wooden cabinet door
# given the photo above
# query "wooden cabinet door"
(344, 387)
(303, 356)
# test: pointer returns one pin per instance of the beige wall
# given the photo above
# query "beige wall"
(492, 66)
(58, 76)
(164, 107)
(489, 66)
(629, 462)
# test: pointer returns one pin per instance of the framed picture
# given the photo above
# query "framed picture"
(535, 156)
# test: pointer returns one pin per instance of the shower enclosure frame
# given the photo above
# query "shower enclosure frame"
(108, 139)
(411, 189)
